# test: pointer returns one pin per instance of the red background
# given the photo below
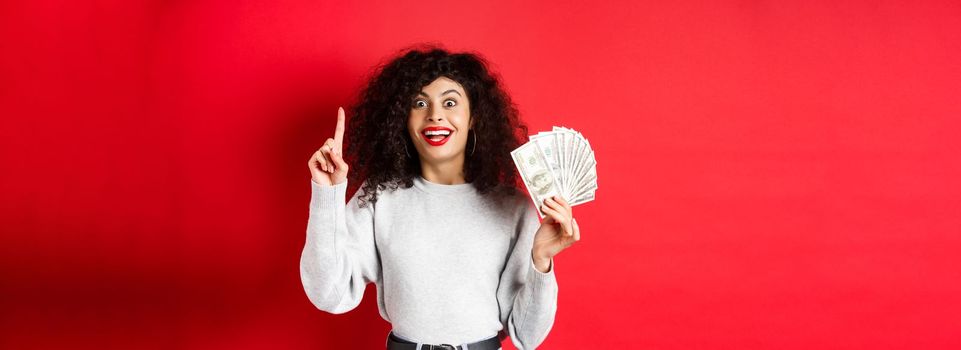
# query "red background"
(773, 175)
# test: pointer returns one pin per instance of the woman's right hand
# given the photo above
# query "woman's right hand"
(327, 165)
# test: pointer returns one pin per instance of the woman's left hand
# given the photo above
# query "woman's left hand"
(557, 232)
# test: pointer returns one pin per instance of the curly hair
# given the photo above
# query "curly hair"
(379, 146)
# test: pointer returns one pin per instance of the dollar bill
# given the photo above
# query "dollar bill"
(566, 157)
(536, 172)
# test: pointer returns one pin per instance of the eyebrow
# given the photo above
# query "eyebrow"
(445, 93)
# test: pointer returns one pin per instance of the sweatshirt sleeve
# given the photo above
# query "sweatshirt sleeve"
(526, 296)
(339, 257)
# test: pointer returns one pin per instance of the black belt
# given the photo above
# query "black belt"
(395, 343)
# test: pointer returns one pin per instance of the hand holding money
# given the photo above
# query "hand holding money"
(559, 171)
(558, 231)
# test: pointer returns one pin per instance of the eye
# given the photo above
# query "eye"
(420, 104)
(450, 103)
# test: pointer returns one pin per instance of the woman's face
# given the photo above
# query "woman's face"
(439, 121)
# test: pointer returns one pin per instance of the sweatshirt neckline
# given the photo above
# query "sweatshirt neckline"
(430, 187)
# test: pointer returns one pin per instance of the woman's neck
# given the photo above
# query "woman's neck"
(447, 173)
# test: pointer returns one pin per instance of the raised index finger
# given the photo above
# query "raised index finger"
(339, 131)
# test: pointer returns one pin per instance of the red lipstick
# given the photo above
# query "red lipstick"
(436, 135)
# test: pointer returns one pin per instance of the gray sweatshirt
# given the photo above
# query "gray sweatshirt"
(450, 265)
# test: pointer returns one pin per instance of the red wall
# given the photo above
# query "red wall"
(773, 175)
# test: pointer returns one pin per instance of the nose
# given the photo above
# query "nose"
(436, 115)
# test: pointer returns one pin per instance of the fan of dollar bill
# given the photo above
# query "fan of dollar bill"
(559, 162)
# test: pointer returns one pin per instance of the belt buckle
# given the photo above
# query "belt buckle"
(443, 346)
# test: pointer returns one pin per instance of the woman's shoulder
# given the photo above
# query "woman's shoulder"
(371, 196)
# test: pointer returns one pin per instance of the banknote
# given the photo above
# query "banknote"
(537, 174)
(564, 155)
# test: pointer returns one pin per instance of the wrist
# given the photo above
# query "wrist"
(542, 266)
(540, 257)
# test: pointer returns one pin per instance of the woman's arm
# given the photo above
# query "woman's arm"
(339, 257)
(527, 297)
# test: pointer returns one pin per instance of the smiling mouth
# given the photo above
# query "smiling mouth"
(436, 136)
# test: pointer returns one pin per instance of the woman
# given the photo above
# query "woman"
(457, 253)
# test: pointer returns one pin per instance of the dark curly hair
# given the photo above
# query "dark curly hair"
(377, 142)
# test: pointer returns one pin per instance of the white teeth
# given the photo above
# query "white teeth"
(437, 132)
